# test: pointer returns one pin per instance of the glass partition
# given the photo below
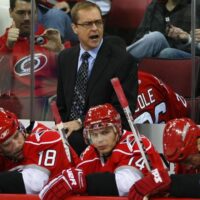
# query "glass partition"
(28, 72)
(195, 49)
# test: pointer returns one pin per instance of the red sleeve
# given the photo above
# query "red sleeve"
(176, 104)
(152, 156)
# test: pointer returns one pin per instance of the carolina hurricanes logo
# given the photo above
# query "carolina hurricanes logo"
(23, 66)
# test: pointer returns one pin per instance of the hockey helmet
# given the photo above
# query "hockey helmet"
(180, 139)
(102, 116)
(8, 124)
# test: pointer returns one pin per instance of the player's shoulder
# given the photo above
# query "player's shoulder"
(125, 143)
(43, 134)
(88, 153)
(148, 79)
(88, 157)
(128, 143)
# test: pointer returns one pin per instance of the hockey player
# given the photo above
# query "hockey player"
(183, 151)
(157, 102)
(15, 43)
(28, 161)
(111, 163)
(180, 147)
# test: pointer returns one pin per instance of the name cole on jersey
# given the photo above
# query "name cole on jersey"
(157, 102)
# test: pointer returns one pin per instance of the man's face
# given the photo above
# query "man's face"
(89, 28)
(13, 147)
(21, 15)
(104, 139)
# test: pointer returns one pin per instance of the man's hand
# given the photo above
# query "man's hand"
(70, 181)
(197, 35)
(13, 35)
(157, 180)
(178, 34)
(72, 126)
(54, 42)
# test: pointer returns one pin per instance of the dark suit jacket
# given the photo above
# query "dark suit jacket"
(112, 61)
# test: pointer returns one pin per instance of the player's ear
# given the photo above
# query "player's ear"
(74, 28)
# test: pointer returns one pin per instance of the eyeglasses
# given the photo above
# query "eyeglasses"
(88, 25)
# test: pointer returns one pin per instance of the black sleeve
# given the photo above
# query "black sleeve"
(101, 184)
(185, 185)
(12, 182)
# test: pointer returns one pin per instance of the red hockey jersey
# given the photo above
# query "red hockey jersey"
(126, 152)
(43, 148)
(157, 102)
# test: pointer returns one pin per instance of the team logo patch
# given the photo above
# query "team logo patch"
(23, 66)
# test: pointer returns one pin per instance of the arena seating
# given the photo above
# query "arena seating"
(176, 73)
(125, 17)
(194, 108)
(126, 13)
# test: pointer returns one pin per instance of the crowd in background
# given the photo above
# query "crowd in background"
(75, 59)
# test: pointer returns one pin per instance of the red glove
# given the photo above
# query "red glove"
(157, 180)
(70, 181)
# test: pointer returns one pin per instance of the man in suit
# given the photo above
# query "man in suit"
(107, 59)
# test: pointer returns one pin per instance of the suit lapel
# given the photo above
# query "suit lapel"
(71, 71)
(98, 68)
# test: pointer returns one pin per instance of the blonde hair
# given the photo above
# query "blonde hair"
(84, 5)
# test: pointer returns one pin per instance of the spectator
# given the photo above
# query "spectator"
(111, 163)
(28, 161)
(157, 102)
(180, 147)
(56, 14)
(165, 31)
(15, 43)
(107, 59)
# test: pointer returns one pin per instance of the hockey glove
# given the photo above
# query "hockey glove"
(157, 180)
(70, 181)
